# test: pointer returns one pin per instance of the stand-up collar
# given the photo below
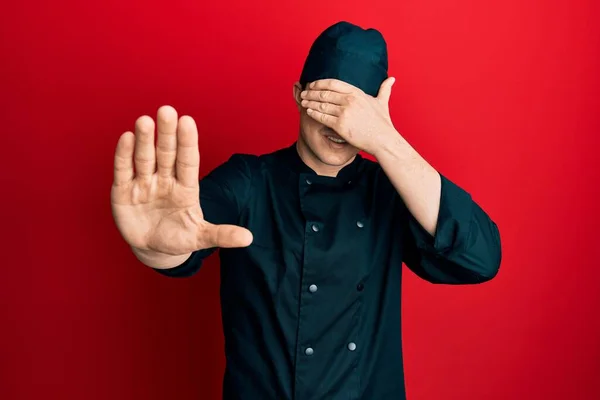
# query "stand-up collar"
(291, 158)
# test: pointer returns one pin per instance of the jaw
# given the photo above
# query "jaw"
(328, 157)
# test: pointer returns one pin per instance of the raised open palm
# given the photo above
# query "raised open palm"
(155, 192)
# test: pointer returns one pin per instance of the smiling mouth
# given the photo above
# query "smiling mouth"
(336, 140)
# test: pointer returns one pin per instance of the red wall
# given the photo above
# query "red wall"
(501, 96)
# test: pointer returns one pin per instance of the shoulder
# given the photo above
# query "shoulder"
(249, 164)
(374, 175)
(370, 167)
(253, 165)
(242, 168)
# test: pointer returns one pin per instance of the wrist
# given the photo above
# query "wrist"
(159, 260)
(392, 144)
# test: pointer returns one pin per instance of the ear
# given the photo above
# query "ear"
(297, 90)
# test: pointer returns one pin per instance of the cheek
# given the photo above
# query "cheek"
(309, 126)
(305, 119)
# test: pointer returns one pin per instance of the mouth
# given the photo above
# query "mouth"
(336, 139)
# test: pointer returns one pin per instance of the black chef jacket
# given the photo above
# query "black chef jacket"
(311, 309)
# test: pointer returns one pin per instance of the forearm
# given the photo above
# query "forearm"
(417, 182)
(464, 243)
(159, 260)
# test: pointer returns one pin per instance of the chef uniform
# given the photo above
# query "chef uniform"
(311, 309)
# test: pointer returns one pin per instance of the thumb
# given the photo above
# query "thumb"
(385, 90)
(223, 236)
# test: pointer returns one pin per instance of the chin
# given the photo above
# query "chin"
(314, 140)
(335, 159)
(334, 154)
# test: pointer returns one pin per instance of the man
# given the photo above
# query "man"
(312, 236)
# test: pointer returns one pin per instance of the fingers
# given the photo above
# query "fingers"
(326, 119)
(325, 108)
(223, 236)
(188, 155)
(176, 152)
(385, 90)
(166, 143)
(325, 96)
(335, 85)
(123, 166)
(144, 157)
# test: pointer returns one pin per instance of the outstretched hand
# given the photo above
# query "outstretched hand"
(155, 192)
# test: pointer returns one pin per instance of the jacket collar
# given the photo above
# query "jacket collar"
(291, 158)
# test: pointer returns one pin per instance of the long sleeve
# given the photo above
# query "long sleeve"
(466, 248)
(223, 194)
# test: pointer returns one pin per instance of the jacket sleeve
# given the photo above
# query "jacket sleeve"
(223, 194)
(466, 247)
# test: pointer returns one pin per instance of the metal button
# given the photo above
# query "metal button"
(351, 346)
(315, 227)
(309, 351)
(360, 287)
(312, 288)
(309, 181)
(359, 224)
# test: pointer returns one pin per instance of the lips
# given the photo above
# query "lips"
(335, 139)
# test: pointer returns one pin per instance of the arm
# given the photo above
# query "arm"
(448, 237)
(223, 195)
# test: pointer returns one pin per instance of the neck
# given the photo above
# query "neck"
(312, 161)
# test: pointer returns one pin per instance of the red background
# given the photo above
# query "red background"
(500, 96)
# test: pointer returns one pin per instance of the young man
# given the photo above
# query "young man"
(312, 236)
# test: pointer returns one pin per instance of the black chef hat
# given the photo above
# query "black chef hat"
(349, 53)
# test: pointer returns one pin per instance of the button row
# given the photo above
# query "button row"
(316, 228)
(309, 351)
(313, 288)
